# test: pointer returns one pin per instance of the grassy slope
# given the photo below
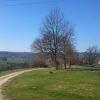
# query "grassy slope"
(61, 85)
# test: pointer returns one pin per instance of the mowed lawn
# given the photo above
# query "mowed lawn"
(60, 85)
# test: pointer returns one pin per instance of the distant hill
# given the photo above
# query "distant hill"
(16, 55)
(25, 55)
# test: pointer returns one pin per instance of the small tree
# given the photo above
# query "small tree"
(67, 44)
(91, 55)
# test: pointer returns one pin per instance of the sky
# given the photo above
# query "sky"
(20, 21)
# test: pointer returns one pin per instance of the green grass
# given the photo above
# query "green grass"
(12, 61)
(5, 73)
(2, 73)
(61, 85)
(6, 65)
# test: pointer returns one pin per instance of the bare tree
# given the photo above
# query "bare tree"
(51, 30)
(37, 47)
(67, 43)
(56, 37)
(91, 55)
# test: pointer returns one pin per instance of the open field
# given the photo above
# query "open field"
(60, 85)
(2, 73)
(13, 65)
(5, 78)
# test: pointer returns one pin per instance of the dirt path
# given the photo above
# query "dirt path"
(5, 78)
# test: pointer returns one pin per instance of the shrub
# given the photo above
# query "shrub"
(39, 64)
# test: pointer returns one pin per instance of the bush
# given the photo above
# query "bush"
(26, 65)
(40, 64)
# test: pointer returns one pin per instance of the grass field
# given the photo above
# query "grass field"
(5, 73)
(60, 85)
(7, 65)
(2, 73)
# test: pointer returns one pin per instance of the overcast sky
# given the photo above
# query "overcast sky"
(20, 21)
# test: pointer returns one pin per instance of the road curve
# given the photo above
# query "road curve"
(5, 78)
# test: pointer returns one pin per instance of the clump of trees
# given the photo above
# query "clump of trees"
(56, 40)
(90, 56)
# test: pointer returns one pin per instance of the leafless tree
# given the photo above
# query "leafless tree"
(67, 43)
(37, 47)
(51, 29)
(56, 37)
(91, 55)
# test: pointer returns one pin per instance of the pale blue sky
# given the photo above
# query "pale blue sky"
(20, 21)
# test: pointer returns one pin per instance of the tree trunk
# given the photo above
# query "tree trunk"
(55, 62)
(65, 64)
(70, 63)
